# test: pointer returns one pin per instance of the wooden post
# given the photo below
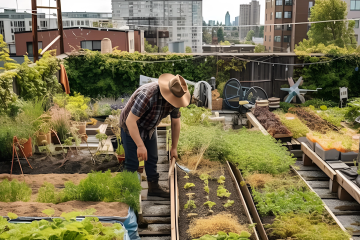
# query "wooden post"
(306, 160)
(60, 26)
(333, 186)
(34, 30)
(343, 195)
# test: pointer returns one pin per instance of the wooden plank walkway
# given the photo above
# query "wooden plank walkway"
(156, 210)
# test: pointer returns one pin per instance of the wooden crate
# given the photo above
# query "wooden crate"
(217, 104)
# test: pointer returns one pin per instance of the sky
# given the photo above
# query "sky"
(212, 9)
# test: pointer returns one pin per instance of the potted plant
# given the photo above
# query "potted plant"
(43, 135)
(113, 121)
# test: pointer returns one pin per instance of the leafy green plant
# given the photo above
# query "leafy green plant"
(97, 186)
(284, 201)
(89, 228)
(285, 106)
(190, 203)
(12, 191)
(222, 192)
(193, 115)
(210, 204)
(334, 115)
(323, 107)
(306, 226)
(205, 178)
(77, 105)
(49, 212)
(188, 185)
(296, 126)
(229, 203)
(317, 103)
(221, 180)
(244, 235)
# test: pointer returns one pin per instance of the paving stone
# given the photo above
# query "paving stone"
(157, 220)
(156, 210)
(319, 184)
(161, 146)
(163, 167)
(163, 159)
(325, 193)
(163, 176)
(161, 133)
(163, 184)
(162, 152)
(156, 228)
(313, 175)
(145, 197)
(352, 222)
(156, 238)
(301, 167)
(161, 140)
(339, 207)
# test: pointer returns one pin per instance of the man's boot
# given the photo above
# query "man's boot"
(156, 191)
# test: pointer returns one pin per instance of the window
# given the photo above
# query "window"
(12, 37)
(269, 38)
(277, 39)
(288, 2)
(278, 15)
(72, 23)
(288, 27)
(270, 28)
(355, 5)
(266, 17)
(287, 14)
(278, 27)
(356, 37)
(30, 23)
(12, 49)
(87, 22)
(271, 15)
(278, 2)
(29, 48)
(91, 45)
(287, 38)
(82, 23)
(311, 4)
(265, 38)
(357, 23)
(78, 22)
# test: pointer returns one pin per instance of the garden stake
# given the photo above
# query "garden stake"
(16, 141)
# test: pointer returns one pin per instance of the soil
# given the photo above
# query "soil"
(34, 209)
(236, 209)
(76, 163)
(313, 121)
(270, 121)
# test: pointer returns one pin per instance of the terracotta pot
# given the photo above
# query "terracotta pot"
(121, 158)
(27, 149)
(39, 139)
(81, 126)
(54, 138)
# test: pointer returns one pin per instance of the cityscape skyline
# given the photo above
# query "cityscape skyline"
(105, 6)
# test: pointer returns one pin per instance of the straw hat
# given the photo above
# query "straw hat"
(174, 90)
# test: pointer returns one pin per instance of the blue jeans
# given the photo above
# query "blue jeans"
(131, 159)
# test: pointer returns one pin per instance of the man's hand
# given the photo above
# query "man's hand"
(142, 153)
(173, 153)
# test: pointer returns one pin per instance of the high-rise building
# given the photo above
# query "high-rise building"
(183, 18)
(249, 15)
(227, 19)
(282, 38)
(211, 23)
(354, 12)
(236, 21)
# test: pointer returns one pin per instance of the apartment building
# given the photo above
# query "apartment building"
(283, 38)
(249, 15)
(354, 12)
(182, 20)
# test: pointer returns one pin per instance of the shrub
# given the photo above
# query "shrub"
(285, 106)
(77, 105)
(317, 103)
(14, 191)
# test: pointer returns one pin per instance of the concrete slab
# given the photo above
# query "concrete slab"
(325, 193)
(351, 222)
(163, 184)
(145, 197)
(161, 140)
(313, 175)
(156, 238)
(337, 166)
(156, 228)
(163, 159)
(162, 152)
(156, 210)
(163, 167)
(319, 184)
(339, 207)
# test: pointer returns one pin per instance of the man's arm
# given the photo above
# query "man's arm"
(135, 135)
(175, 133)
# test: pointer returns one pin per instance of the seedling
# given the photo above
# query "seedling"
(221, 180)
(186, 176)
(205, 178)
(222, 192)
(210, 205)
(190, 203)
(229, 203)
(189, 185)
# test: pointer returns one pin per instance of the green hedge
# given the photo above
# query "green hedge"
(93, 74)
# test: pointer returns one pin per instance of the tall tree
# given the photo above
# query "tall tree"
(339, 33)
(250, 35)
(207, 36)
(220, 35)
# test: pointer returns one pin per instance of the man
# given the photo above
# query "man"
(144, 111)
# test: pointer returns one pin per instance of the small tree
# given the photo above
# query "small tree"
(165, 49)
(250, 35)
(220, 35)
(206, 36)
(149, 48)
(259, 48)
(188, 49)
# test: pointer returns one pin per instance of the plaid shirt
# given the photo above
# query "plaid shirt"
(148, 104)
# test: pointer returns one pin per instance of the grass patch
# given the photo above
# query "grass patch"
(306, 227)
(296, 126)
(12, 191)
(224, 222)
(259, 180)
(97, 186)
(334, 115)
